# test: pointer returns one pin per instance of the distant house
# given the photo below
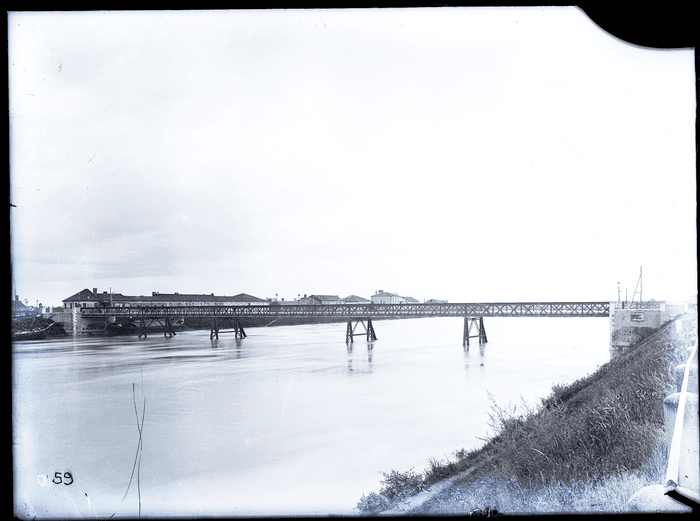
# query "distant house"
(384, 297)
(435, 301)
(93, 299)
(354, 299)
(320, 299)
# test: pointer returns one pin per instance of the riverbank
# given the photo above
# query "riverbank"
(586, 448)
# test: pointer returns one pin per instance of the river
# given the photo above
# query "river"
(288, 421)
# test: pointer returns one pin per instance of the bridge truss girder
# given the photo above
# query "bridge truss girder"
(473, 314)
(365, 311)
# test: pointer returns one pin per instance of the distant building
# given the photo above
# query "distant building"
(19, 308)
(354, 299)
(320, 299)
(93, 299)
(435, 301)
(384, 297)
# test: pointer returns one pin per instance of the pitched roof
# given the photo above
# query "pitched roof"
(88, 296)
(355, 298)
(244, 297)
(196, 297)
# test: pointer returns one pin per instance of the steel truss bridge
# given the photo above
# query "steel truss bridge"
(473, 314)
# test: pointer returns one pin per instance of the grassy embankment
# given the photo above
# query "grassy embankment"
(586, 448)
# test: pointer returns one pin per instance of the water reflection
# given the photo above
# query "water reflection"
(356, 363)
(481, 359)
(228, 347)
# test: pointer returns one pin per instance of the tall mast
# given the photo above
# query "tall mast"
(639, 285)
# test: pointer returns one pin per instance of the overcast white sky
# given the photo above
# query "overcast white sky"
(468, 154)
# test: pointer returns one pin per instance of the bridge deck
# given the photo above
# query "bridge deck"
(357, 311)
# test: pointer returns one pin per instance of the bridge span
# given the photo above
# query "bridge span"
(361, 314)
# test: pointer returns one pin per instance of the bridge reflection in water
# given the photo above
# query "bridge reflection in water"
(361, 314)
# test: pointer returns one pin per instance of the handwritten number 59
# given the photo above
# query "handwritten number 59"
(67, 478)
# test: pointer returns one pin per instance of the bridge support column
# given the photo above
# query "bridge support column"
(368, 331)
(142, 329)
(168, 329)
(238, 329)
(214, 333)
(478, 324)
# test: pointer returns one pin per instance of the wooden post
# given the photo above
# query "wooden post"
(214, 329)
(348, 333)
(482, 331)
(465, 334)
(168, 328)
(142, 329)
(370, 331)
(239, 330)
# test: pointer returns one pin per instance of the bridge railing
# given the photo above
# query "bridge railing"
(496, 309)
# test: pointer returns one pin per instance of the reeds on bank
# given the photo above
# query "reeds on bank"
(586, 448)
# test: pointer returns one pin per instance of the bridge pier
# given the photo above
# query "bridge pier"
(237, 329)
(368, 331)
(168, 329)
(478, 324)
(142, 329)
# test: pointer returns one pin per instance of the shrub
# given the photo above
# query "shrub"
(395, 487)
(373, 503)
(399, 485)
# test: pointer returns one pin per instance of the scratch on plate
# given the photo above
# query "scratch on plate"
(29, 505)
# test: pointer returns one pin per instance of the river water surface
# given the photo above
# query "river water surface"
(288, 421)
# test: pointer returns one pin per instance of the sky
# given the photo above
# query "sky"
(461, 154)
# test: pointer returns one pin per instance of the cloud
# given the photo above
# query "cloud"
(455, 153)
